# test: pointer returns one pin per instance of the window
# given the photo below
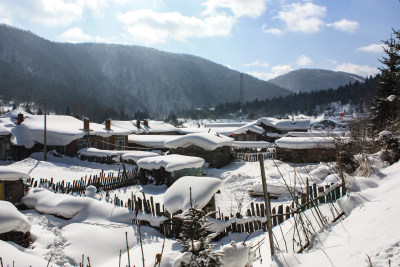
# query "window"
(82, 143)
(105, 143)
(119, 143)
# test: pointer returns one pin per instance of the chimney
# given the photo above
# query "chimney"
(146, 123)
(108, 124)
(86, 124)
(138, 123)
(20, 118)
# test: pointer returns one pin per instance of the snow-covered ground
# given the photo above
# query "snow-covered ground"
(98, 229)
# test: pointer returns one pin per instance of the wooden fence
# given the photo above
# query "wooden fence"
(252, 220)
(253, 156)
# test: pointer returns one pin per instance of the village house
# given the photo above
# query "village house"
(12, 184)
(214, 148)
(167, 169)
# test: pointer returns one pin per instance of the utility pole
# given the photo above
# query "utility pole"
(267, 204)
(45, 132)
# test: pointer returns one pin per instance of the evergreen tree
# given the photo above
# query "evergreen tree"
(385, 106)
(68, 111)
(194, 238)
(40, 112)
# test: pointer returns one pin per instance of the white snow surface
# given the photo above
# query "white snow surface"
(177, 197)
(137, 155)
(11, 219)
(252, 127)
(251, 144)
(170, 162)
(285, 125)
(207, 141)
(12, 174)
(153, 141)
(4, 130)
(305, 142)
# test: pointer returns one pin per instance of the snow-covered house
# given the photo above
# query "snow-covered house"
(66, 135)
(276, 128)
(5, 141)
(12, 184)
(214, 148)
(149, 142)
(203, 190)
(249, 132)
(169, 168)
(306, 149)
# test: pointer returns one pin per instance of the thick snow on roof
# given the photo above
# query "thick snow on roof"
(227, 131)
(4, 130)
(207, 141)
(156, 141)
(11, 174)
(91, 151)
(251, 144)
(61, 130)
(285, 125)
(13, 114)
(177, 197)
(158, 127)
(100, 130)
(21, 136)
(305, 142)
(316, 134)
(11, 219)
(225, 124)
(137, 155)
(252, 126)
(127, 125)
(170, 162)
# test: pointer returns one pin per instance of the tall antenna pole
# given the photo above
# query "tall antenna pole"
(241, 98)
(45, 132)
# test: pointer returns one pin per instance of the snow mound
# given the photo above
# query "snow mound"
(305, 142)
(321, 172)
(170, 163)
(155, 141)
(356, 184)
(137, 155)
(237, 255)
(11, 174)
(207, 141)
(177, 197)
(11, 219)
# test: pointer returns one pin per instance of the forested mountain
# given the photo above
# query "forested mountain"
(99, 80)
(307, 80)
(357, 96)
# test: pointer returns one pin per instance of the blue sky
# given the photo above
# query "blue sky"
(264, 38)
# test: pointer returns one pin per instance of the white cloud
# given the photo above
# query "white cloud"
(240, 8)
(372, 48)
(344, 25)
(149, 27)
(75, 35)
(303, 60)
(362, 70)
(274, 31)
(303, 17)
(257, 63)
(275, 71)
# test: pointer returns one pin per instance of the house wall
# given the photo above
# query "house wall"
(248, 136)
(315, 155)
(217, 158)
(12, 191)
(5, 147)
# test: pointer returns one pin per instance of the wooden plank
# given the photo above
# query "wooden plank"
(280, 214)
(274, 221)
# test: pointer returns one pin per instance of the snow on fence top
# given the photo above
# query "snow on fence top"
(252, 126)
(155, 141)
(170, 163)
(207, 141)
(305, 142)
(11, 174)
(11, 219)
(285, 125)
(177, 197)
(251, 144)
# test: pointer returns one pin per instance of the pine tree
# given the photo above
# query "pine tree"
(385, 106)
(195, 238)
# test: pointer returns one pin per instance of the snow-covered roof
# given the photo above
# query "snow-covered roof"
(177, 197)
(315, 134)
(305, 142)
(252, 127)
(91, 151)
(227, 131)
(11, 219)
(100, 130)
(285, 125)
(251, 144)
(4, 130)
(207, 141)
(137, 155)
(13, 114)
(225, 124)
(11, 174)
(170, 163)
(158, 127)
(155, 141)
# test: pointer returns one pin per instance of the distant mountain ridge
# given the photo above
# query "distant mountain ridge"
(99, 80)
(307, 80)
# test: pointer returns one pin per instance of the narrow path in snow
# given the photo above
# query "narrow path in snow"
(53, 226)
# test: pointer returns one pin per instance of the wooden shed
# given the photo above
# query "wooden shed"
(12, 184)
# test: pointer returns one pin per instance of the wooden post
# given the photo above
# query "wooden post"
(45, 132)
(267, 204)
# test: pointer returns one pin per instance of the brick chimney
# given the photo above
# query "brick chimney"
(20, 118)
(138, 123)
(86, 124)
(146, 123)
(108, 124)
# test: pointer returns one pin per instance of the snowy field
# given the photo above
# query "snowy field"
(97, 228)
